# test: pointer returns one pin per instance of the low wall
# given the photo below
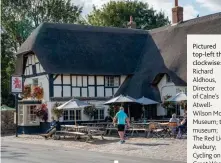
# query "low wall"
(7, 122)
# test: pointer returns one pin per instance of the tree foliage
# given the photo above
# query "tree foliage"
(117, 14)
(19, 19)
(7, 67)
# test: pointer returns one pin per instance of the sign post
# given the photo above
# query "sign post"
(16, 88)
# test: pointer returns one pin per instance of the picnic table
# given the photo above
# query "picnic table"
(80, 131)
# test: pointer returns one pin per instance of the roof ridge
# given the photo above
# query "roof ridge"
(81, 27)
(202, 18)
(188, 22)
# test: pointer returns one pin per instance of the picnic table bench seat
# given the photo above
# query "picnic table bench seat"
(68, 133)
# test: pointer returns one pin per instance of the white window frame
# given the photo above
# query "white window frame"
(35, 82)
(25, 118)
(112, 81)
(31, 117)
(99, 114)
(71, 114)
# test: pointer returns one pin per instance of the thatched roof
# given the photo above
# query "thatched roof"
(78, 49)
(143, 55)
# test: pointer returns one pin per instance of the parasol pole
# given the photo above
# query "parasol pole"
(144, 112)
(129, 111)
(75, 117)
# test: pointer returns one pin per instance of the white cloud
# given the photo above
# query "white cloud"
(189, 12)
(164, 5)
(212, 5)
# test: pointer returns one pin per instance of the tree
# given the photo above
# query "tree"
(7, 67)
(19, 19)
(117, 14)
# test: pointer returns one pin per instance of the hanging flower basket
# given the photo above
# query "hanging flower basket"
(42, 112)
(38, 93)
(57, 112)
(27, 91)
(90, 111)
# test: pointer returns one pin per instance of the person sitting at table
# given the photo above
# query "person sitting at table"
(182, 127)
(54, 126)
(174, 119)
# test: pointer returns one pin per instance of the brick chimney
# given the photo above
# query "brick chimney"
(131, 23)
(177, 13)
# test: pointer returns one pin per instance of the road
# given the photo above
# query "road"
(14, 152)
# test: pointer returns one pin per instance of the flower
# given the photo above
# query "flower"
(27, 91)
(38, 92)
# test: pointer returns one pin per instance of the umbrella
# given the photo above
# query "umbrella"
(4, 108)
(73, 104)
(146, 101)
(179, 97)
(121, 99)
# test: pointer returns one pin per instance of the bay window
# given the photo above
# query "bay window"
(27, 116)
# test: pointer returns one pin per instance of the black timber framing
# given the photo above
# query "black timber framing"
(39, 74)
(81, 85)
(95, 86)
(71, 84)
(55, 77)
(87, 87)
(51, 86)
(62, 88)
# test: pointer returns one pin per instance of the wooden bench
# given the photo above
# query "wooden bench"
(76, 135)
(94, 132)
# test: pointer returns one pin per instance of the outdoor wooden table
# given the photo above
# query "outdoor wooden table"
(74, 127)
(141, 123)
(164, 124)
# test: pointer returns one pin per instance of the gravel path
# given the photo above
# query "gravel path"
(167, 149)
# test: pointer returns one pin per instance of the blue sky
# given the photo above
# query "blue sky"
(191, 7)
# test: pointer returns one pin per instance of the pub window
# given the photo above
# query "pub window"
(34, 69)
(99, 114)
(112, 81)
(168, 79)
(69, 115)
(31, 114)
(65, 115)
(35, 82)
(78, 114)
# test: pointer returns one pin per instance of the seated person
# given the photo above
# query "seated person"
(182, 126)
(52, 125)
(174, 119)
(173, 127)
(55, 126)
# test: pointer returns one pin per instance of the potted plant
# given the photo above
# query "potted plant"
(58, 113)
(90, 111)
(27, 91)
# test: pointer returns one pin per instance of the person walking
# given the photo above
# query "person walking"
(121, 119)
